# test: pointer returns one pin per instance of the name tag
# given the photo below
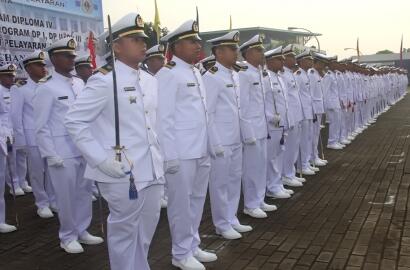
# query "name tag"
(191, 84)
(229, 85)
(275, 83)
(256, 83)
(6, 97)
(129, 89)
(63, 97)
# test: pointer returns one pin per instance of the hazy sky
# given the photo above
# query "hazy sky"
(378, 24)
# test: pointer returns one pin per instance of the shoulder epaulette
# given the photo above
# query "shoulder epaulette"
(170, 64)
(105, 69)
(43, 80)
(312, 71)
(213, 70)
(298, 72)
(20, 83)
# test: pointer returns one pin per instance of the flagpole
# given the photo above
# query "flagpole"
(157, 22)
(401, 51)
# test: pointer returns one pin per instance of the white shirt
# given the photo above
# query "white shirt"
(90, 122)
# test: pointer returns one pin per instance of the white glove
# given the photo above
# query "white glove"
(112, 168)
(172, 166)
(55, 161)
(250, 141)
(275, 120)
(219, 151)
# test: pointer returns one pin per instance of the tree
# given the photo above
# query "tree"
(384, 52)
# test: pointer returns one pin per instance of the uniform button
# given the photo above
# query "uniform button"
(148, 128)
(146, 112)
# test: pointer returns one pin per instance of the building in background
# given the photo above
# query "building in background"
(273, 37)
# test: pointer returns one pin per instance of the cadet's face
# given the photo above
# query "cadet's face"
(275, 64)
(290, 61)
(84, 71)
(7, 80)
(306, 63)
(63, 61)
(36, 70)
(319, 65)
(155, 64)
(130, 49)
(188, 50)
(228, 54)
(255, 55)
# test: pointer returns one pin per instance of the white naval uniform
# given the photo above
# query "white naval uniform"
(90, 122)
(276, 96)
(72, 192)
(225, 124)
(252, 102)
(183, 134)
(305, 94)
(3, 156)
(292, 144)
(342, 87)
(24, 134)
(13, 175)
(332, 106)
(315, 82)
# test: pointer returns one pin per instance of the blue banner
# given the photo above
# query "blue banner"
(84, 8)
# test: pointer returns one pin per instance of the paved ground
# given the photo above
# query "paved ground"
(353, 215)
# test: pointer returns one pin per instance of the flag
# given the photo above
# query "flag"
(401, 51)
(168, 53)
(230, 22)
(358, 51)
(197, 17)
(157, 23)
(91, 48)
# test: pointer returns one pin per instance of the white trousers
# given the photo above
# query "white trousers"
(316, 137)
(358, 115)
(3, 161)
(17, 167)
(186, 197)
(306, 140)
(131, 224)
(275, 153)
(254, 174)
(344, 120)
(333, 117)
(225, 187)
(292, 151)
(41, 184)
(73, 198)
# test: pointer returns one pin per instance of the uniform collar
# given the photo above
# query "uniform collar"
(30, 82)
(286, 69)
(222, 67)
(124, 69)
(179, 62)
(58, 76)
(302, 70)
(252, 67)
